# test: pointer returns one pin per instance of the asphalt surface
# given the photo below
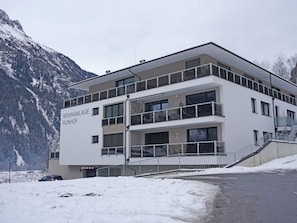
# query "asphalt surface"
(264, 197)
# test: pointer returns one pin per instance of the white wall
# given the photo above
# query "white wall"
(78, 125)
(239, 119)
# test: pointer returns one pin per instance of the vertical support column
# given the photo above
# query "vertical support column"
(210, 69)
(127, 133)
(213, 108)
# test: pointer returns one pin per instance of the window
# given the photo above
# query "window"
(114, 110)
(125, 81)
(256, 133)
(204, 136)
(253, 101)
(223, 66)
(265, 108)
(192, 63)
(95, 139)
(156, 105)
(156, 144)
(156, 138)
(113, 140)
(248, 76)
(95, 111)
(266, 136)
(201, 98)
(291, 114)
(189, 74)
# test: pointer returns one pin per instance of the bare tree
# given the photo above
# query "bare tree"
(280, 68)
(292, 62)
(264, 64)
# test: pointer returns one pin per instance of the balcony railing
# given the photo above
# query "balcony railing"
(285, 121)
(185, 112)
(113, 120)
(181, 76)
(159, 81)
(180, 149)
(118, 150)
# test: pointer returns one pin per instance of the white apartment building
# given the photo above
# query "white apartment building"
(190, 109)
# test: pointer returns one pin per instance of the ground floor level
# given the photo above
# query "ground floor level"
(139, 165)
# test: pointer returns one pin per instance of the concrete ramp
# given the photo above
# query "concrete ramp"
(273, 150)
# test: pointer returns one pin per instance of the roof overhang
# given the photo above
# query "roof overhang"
(211, 49)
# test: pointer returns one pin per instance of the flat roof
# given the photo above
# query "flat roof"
(210, 49)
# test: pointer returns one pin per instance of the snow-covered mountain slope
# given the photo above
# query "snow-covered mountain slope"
(33, 84)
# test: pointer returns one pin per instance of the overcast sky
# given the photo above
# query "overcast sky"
(113, 34)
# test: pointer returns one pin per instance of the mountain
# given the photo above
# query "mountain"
(34, 81)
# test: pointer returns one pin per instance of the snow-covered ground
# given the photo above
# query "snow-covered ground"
(117, 199)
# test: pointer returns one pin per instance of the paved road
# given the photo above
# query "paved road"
(265, 197)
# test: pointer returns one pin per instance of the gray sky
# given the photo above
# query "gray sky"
(102, 35)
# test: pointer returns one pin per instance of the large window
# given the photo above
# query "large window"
(203, 109)
(189, 74)
(201, 98)
(155, 111)
(114, 110)
(156, 138)
(113, 140)
(125, 81)
(156, 105)
(265, 108)
(155, 144)
(204, 137)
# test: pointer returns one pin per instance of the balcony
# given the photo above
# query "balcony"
(178, 149)
(159, 81)
(113, 121)
(184, 112)
(285, 121)
(119, 150)
(181, 76)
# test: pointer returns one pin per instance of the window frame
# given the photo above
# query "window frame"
(265, 108)
(113, 140)
(125, 81)
(115, 110)
(254, 105)
(95, 139)
(95, 111)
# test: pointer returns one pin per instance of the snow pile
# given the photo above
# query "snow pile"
(121, 199)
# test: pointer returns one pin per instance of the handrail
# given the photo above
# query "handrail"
(177, 113)
(184, 149)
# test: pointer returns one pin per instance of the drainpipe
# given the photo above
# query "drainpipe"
(273, 107)
(126, 127)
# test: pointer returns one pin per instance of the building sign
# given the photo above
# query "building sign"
(70, 118)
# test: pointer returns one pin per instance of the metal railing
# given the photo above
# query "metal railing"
(159, 81)
(181, 76)
(179, 149)
(114, 150)
(184, 112)
(208, 160)
(113, 120)
(285, 121)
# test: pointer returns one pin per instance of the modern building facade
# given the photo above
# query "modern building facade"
(190, 109)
